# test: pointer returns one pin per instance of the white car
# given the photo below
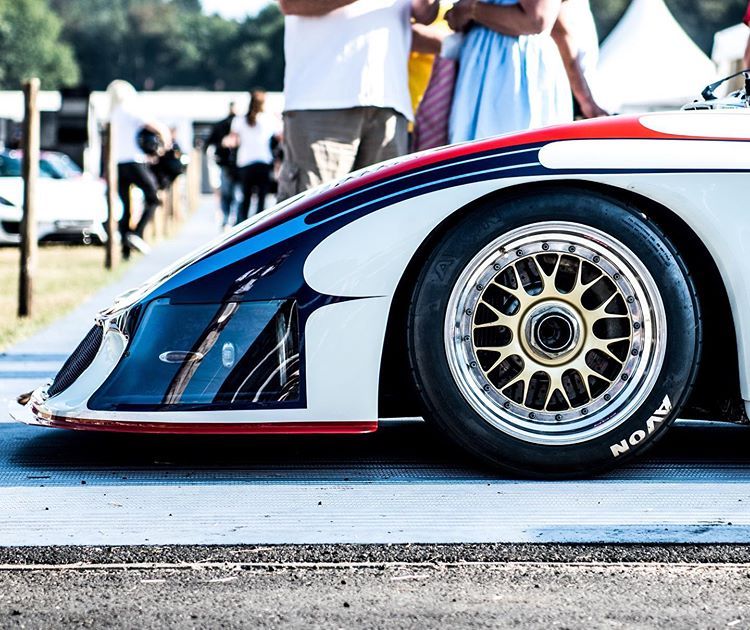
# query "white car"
(71, 205)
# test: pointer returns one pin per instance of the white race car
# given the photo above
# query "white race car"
(71, 205)
(551, 300)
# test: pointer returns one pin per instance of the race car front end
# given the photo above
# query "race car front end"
(213, 344)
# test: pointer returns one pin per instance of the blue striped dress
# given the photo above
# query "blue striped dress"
(507, 84)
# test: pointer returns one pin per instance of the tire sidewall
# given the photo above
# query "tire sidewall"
(447, 405)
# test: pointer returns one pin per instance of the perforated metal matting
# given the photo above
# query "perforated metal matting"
(399, 485)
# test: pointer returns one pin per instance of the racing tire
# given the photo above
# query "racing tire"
(554, 334)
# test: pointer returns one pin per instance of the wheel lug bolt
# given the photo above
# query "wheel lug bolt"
(473, 364)
(506, 405)
(545, 247)
(571, 249)
(480, 287)
(486, 388)
(466, 338)
(468, 311)
(519, 252)
(616, 276)
(496, 267)
(558, 417)
(532, 415)
(596, 259)
(636, 326)
(607, 397)
(624, 377)
(634, 352)
(631, 299)
(584, 411)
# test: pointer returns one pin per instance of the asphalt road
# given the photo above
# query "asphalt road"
(526, 595)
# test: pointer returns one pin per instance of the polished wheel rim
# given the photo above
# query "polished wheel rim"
(555, 333)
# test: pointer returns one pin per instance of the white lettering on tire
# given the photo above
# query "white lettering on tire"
(660, 415)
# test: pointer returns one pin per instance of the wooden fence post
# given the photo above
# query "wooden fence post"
(111, 255)
(194, 180)
(177, 195)
(29, 245)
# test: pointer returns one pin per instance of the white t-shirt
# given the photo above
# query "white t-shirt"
(355, 56)
(255, 141)
(127, 121)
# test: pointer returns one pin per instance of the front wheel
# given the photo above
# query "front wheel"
(554, 334)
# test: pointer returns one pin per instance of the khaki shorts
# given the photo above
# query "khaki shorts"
(323, 145)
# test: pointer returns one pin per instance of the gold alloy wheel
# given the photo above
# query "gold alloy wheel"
(555, 333)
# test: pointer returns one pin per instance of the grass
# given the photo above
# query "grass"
(65, 276)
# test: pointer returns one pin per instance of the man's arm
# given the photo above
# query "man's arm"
(527, 17)
(569, 52)
(161, 130)
(426, 39)
(424, 11)
(214, 139)
(311, 8)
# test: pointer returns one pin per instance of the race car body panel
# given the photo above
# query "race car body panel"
(282, 322)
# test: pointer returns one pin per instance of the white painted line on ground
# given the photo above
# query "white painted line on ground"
(509, 512)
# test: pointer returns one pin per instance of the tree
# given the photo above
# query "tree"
(160, 43)
(31, 46)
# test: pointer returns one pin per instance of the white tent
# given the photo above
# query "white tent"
(729, 48)
(649, 62)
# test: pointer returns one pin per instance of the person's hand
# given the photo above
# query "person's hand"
(461, 15)
(591, 109)
(231, 141)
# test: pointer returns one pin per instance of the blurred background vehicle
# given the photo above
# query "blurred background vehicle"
(71, 207)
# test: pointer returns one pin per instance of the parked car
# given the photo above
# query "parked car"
(71, 205)
(551, 300)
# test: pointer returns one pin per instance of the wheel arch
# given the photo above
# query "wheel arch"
(717, 387)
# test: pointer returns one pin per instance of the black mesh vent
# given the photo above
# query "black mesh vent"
(77, 362)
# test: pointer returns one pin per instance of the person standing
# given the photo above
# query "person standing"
(431, 81)
(226, 160)
(577, 40)
(426, 42)
(252, 135)
(345, 86)
(133, 165)
(511, 76)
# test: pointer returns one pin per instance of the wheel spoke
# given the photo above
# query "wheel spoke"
(600, 311)
(502, 318)
(552, 273)
(585, 372)
(505, 352)
(494, 324)
(519, 292)
(580, 287)
(524, 375)
(548, 279)
(497, 362)
(602, 345)
(555, 384)
(584, 379)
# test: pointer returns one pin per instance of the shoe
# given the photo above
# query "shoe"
(138, 244)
